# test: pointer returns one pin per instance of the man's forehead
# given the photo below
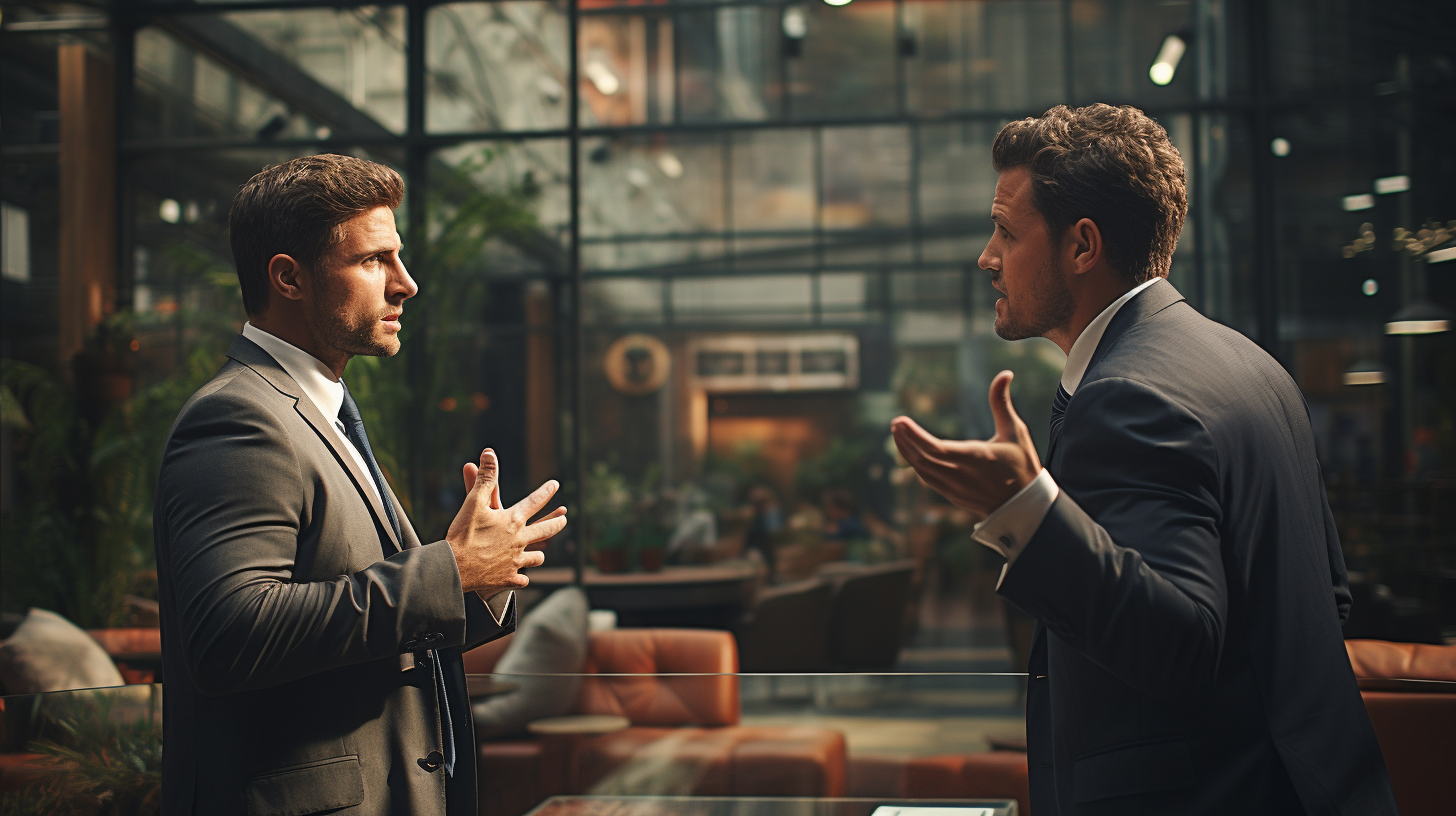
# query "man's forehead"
(1010, 187)
(374, 227)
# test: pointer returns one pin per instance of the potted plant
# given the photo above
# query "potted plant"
(607, 509)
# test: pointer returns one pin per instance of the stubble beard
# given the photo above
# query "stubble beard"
(1050, 308)
(356, 335)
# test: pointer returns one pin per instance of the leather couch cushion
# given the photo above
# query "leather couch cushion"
(735, 761)
(1415, 733)
(1380, 659)
(709, 697)
(46, 652)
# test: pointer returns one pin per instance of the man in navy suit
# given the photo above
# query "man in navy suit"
(1178, 550)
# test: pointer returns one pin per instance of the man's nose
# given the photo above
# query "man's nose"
(986, 259)
(402, 284)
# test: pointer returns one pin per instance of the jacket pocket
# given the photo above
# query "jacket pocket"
(1132, 768)
(327, 784)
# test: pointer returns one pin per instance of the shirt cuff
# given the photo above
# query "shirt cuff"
(1011, 525)
(499, 604)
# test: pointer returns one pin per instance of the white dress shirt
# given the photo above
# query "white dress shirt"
(327, 393)
(1011, 525)
(318, 383)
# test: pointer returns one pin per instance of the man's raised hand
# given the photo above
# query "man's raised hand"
(490, 541)
(974, 475)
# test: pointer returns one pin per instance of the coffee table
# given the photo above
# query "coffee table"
(767, 806)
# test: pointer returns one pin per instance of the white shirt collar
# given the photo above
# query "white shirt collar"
(315, 378)
(1086, 342)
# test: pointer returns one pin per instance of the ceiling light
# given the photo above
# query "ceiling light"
(1392, 184)
(670, 165)
(1280, 147)
(602, 77)
(794, 23)
(1354, 203)
(1370, 287)
(1166, 63)
(1441, 255)
(170, 211)
(836, 2)
(1419, 318)
(1364, 372)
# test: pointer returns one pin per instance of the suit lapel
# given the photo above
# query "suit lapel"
(253, 356)
(1144, 304)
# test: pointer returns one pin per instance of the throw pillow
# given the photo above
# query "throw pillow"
(49, 653)
(551, 640)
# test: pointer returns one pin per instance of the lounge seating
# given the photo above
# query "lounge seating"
(1414, 718)
(684, 736)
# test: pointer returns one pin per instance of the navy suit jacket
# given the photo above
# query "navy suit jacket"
(1189, 589)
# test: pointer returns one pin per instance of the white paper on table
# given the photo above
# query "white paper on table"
(910, 810)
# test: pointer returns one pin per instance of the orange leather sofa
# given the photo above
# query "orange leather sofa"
(1414, 718)
(683, 728)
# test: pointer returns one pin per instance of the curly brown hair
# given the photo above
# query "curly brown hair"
(298, 208)
(1111, 164)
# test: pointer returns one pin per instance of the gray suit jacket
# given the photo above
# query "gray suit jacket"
(1190, 588)
(299, 660)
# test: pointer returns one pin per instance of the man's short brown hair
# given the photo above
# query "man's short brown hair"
(298, 209)
(1113, 165)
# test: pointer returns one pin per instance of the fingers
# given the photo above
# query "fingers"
(532, 558)
(1008, 424)
(532, 504)
(913, 441)
(545, 528)
(470, 472)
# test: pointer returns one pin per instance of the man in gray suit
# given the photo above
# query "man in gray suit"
(311, 642)
(1177, 551)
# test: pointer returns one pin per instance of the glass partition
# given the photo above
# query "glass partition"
(698, 299)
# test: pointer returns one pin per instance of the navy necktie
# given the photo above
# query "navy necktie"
(354, 429)
(1059, 411)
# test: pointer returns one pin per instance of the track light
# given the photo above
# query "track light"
(1166, 63)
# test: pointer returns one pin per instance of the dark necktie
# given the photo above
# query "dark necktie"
(1059, 412)
(354, 429)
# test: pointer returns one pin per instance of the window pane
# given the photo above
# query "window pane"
(773, 180)
(495, 66)
(847, 62)
(984, 55)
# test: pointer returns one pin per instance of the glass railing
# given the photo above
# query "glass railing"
(607, 743)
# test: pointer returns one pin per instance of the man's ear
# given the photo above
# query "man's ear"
(1084, 242)
(285, 277)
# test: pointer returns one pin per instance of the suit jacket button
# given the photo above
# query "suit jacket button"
(433, 762)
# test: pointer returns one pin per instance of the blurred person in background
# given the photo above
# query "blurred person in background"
(1177, 551)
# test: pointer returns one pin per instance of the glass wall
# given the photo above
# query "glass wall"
(691, 259)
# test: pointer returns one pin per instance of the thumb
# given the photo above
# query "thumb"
(1008, 424)
(487, 474)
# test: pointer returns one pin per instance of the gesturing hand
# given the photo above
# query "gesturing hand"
(489, 541)
(974, 475)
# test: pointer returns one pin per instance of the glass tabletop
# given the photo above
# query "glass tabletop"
(767, 806)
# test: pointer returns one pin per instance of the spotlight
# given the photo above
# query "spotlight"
(1280, 146)
(602, 77)
(795, 26)
(1370, 287)
(1166, 63)
(1419, 318)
